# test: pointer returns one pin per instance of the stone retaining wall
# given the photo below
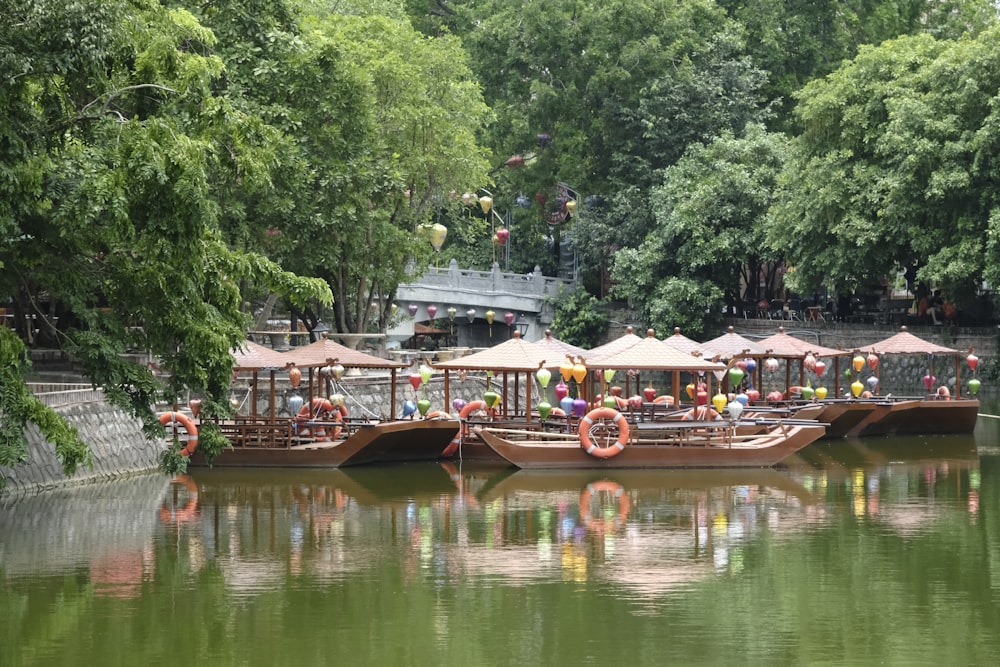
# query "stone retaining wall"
(117, 444)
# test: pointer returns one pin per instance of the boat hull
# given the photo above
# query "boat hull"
(383, 442)
(842, 416)
(766, 452)
(941, 417)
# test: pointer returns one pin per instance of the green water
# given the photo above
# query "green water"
(874, 552)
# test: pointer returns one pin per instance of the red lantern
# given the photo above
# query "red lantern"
(502, 235)
(973, 361)
(872, 360)
(508, 317)
(432, 311)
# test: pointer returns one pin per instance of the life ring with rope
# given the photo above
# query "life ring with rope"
(664, 399)
(466, 412)
(315, 409)
(602, 525)
(172, 515)
(455, 442)
(189, 427)
(601, 414)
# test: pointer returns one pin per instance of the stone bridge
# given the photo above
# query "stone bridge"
(529, 297)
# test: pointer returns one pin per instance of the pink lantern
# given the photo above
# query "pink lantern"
(432, 311)
(771, 364)
(929, 381)
(508, 317)
(502, 235)
(809, 362)
(775, 396)
(412, 308)
(973, 361)
(872, 360)
(753, 395)
(820, 367)
(562, 391)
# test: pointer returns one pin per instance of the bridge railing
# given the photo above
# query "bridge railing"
(534, 283)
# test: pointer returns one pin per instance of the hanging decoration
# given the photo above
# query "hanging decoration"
(438, 234)
(872, 361)
(809, 362)
(432, 311)
(412, 308)
(858, 362)
(500, 236)
(295, 376)
(490, 315)
(562, 390)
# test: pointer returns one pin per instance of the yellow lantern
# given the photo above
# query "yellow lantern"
(438, 234)
(579, 372)
(821, 393)
(720, 401)
(566, 370)
(858, 362)
(486, 203)
(857, 387)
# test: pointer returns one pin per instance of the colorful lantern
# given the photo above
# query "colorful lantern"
(809, 362)
(973, 361)
(295, 403)
(432, 311)
(508, 317)
(807, 392)
(491, 398)
(929, 381)
(609, 375)
(409, 407)
(544, 409)
(858, 363)
(821, 393)
(872, 382)
(857, 388)
(438, 234)
(337, 371)
(719, 401)
(579, 372)
(566, 403)
(195, 405)
(974, 385)
(751, 365)
(650, 393)
(423, 405)
(610, 402)
(579, 407)
(743, 398)
(459, 403)
(425, 373)
(415, 380)
(735, 409)
(735, 377)
(820, 368)
(566, 369)
(753, 395)
(486, 203)
(337, 400)
(543, 375)
(295, 376)
(412, 308)
(872, 360)
(562, 391)
(775, 396)
(690, 390)
(501, 236)
(771, 364)
(635, 403)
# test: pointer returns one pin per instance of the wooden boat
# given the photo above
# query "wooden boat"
(842, 415)
(937, 416)
(606, 440)
(274, 444)
(885, 418)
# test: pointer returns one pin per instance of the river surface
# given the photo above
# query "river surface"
(883, 551)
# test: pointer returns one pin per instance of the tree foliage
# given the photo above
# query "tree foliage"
(112, 144)
(897, 167)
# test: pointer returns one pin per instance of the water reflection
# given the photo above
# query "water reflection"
(456, 550)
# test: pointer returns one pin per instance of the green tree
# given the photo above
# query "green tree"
(579, 319)
(896, 167)
(708, 243)
(110, 138)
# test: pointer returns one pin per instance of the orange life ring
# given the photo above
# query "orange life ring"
(587, 423)
(602, 525)
(170, 514)
(701, 413)
(466, 412)
(316, 408)
(188, 424)
(664, 399)
(455, 442)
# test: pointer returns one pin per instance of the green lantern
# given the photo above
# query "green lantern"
(974, 385)
(544, 409)
(491, 398)
(423, 405)
(543, 375)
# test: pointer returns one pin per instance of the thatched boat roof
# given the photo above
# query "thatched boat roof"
(785, 346)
